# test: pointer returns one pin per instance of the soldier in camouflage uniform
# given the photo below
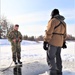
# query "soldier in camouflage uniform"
(15, 37)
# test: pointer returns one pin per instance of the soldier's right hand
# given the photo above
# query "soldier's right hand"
(14, 40)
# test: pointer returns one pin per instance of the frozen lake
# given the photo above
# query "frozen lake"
(33, 56)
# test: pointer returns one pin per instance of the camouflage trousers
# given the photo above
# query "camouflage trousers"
(16, 53)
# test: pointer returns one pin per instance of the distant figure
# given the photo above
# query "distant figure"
(55, 37)
(15, 37)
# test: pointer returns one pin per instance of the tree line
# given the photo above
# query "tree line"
(40, 38)
(70, 38)
(33, 38)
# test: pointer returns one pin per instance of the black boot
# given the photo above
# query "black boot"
(59, 72)
(15, 62)
(19, 62)
(53, 73)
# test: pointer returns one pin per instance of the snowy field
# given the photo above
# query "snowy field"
(34, 58)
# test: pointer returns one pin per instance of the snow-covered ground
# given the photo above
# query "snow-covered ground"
(34, 58)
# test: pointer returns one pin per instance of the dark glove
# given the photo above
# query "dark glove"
(45, 45)
(64, 45)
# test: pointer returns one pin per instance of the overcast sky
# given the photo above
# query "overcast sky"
(33, 15)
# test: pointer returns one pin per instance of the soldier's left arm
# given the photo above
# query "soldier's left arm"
(20, 36)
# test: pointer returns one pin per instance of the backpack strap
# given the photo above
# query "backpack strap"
(58, 33)
(58, 25)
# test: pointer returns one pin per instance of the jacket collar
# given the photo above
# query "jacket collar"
(59, 17)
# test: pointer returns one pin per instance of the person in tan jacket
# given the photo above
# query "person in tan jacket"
(55, 35)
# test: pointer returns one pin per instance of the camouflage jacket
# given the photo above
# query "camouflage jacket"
(14, 35)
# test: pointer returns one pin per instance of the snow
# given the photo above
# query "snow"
(34, 58)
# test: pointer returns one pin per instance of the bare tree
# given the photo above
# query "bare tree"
(5, 27)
